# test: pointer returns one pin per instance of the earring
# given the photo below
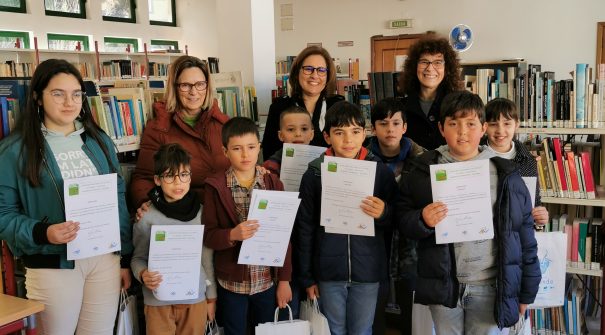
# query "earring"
(40, 113)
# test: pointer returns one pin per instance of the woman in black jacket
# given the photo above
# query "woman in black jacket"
(313, 83)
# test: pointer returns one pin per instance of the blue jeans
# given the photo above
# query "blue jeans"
(349, 307)
(474, 313)
(232, 309)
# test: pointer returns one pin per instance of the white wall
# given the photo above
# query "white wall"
(196, 20)
(555, 33)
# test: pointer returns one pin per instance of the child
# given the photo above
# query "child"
(502, 123)
(295, 126)
(227, 199)
(344, 269)
(477, 287)
(393, 149)
(172, 203)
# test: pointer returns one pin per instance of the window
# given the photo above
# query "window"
(68, 8)
(17, 6)
(119, 10)
(14, 39)
(120, 44)
(162, 12)
(157, 45)
(67, 42)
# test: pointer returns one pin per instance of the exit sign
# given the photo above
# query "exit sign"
(402, 23)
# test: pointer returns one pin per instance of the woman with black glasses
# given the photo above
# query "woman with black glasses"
(431, 71)
(313, 86)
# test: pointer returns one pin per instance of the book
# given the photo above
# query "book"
(582, 234)
(596, 232)
(558, 149)
(588, 177)
(580, 94)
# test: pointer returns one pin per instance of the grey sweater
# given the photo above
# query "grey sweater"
(141, 235)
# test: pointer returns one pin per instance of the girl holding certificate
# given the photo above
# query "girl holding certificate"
(55, 139)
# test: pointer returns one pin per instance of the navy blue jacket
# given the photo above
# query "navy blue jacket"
(518, 266)
(336, 257)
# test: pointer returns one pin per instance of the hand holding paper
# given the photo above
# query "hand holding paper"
(244, 230)
(61, 233)
(373, 206)
(434, 213)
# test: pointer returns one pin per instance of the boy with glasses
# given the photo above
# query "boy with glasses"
(172, 203)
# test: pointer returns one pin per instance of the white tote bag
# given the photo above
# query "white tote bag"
(309, 310)
(552, 254)
(212, 328)
(128, 323)
(290, 327)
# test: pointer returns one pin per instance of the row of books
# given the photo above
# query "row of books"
(570, 319)
(563, 173)
(542, 101)
(284, 66)
(234, 99)
(383, 85)
(122, 69)
(12, 100)
(584, 240)
(15, 69)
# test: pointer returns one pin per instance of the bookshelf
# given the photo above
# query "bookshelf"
(578, 202)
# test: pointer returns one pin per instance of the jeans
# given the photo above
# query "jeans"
(232, 309)
(474, 313)
(349, 307)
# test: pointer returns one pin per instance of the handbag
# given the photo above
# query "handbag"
(128, 323)
(309, 310)
(289, 327)
(212, 328)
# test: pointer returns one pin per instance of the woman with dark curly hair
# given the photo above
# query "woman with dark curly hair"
(313, 85)
(431, 71)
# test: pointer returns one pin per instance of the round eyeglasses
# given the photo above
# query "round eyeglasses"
(437, 64)
(184, 177)
(186, 87)
(59, 96)
(321, 71)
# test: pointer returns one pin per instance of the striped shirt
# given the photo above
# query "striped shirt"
(259, 278)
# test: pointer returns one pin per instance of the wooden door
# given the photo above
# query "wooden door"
(386, 48)
(600, 43)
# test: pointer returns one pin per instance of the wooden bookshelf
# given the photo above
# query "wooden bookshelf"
(586, 272)
(562, 131)
(579, 202)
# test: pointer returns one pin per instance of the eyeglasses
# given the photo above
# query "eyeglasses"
(437, 64)
(186, 87)
(59, 97)
(170, 178)
(321, 71)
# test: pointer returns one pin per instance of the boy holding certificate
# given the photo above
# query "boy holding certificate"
(345, 270)
(394, 149)
(295, 126)
(226, 204)
(172, 203)
(477, 287)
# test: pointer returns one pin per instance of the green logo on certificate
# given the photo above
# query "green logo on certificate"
(332, 166)
(262, 204)
(289, 152)
(74, 189)
(160, 236)
(440, 175)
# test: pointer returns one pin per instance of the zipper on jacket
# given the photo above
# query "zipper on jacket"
(349, 254)
(52, 177)
(90, 155)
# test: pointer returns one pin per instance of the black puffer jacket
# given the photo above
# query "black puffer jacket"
(518, 266)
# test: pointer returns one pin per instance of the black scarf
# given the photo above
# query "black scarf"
(184, 210)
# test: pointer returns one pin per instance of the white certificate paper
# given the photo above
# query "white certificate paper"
(176, 252)
(294, 162)
(93, 202)
(275, 212)
(530, 182)
(344, 184)
(464, 187)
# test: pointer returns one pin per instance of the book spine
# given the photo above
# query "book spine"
(580, 95)
(589, 181)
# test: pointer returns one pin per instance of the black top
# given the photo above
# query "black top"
(271, 142)
(423, 129)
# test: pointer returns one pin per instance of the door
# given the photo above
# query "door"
(385, 50)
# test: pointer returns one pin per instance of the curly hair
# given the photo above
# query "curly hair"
(298, 63)
(431, 44)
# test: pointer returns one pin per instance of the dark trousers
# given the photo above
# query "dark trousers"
(233, 309)
(404, 289)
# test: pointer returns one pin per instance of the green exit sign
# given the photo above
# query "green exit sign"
(402, 23)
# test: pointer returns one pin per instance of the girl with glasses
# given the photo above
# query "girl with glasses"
(431, 71)
(313, 86)
(55, 139)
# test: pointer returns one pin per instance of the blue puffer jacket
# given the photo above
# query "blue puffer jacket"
(23, 208)
(336, 257)
(518, 266)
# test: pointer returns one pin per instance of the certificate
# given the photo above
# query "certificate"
(530, 182)
(294, 162)
(465, 188)
(93, 202)
(175, 251)
(275, 212)
(345, 183)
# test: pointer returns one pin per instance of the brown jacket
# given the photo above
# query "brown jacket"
(219, 218)
(203, 142)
